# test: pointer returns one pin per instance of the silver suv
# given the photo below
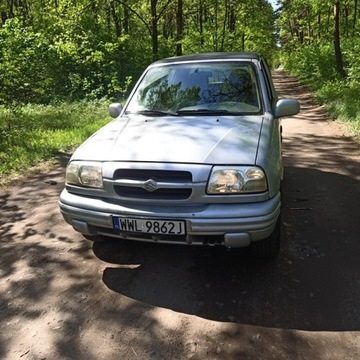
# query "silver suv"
(194, 157)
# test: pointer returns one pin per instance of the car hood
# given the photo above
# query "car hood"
(191, 139)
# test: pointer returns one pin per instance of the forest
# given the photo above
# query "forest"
(78, 52)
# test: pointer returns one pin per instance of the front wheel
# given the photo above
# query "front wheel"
(269, 247)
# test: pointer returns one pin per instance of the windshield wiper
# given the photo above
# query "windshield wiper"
(208, 112)
(153, 112)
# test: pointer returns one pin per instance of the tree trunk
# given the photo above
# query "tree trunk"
(338, 53)
(154, 30)
(115, 19)
(126, 21)
(179, 27)
(201, 22)
(355, 16)
(224, 28)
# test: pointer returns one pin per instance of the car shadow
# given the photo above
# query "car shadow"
(311, 285)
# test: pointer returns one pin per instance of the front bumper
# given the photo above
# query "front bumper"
(232, 225)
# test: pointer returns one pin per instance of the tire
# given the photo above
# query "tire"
(269, 247)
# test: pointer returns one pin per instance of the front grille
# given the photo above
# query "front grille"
(180, 189)
(159, 194)
(157, 175)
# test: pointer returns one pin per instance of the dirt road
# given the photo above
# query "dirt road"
(61, 297)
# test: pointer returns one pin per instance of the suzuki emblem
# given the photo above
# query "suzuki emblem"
(150, 185)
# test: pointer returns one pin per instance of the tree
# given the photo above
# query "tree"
(179, 27)
(92, 48)
(311, 28)
(338, 53)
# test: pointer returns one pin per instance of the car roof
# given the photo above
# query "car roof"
(210, 56)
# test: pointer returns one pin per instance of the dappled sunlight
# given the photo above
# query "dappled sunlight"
(33, 266)
(299, 150)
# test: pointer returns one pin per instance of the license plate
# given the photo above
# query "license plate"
(166, 227)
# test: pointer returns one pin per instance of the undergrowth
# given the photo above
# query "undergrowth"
(35, 133)
(342, 101)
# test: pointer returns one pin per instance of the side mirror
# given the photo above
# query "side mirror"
(287, 107)
(115, 110)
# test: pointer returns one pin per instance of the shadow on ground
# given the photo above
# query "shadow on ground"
(312, 285)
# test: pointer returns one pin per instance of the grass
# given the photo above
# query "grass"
(33, 134)
(342, 101)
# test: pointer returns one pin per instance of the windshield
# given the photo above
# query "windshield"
(226, 87)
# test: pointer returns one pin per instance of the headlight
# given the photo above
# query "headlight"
(236, 180)
(85, 173)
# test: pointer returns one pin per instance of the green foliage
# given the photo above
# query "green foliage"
(38, 68)
(351, 49)
(230, 28)
(313, 64)
(90, 50)
(342, 99)
(24, 73)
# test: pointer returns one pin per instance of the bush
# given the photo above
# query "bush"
(314, 64)
(342, 99)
